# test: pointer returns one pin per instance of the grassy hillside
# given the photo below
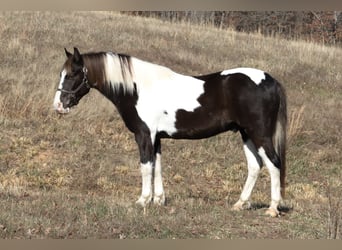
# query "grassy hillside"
(77, 176)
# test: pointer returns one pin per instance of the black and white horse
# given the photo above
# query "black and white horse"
(155, 103)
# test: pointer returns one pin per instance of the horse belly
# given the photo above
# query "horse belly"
(200, 124)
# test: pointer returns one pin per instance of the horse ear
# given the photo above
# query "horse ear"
(77, 55)
(67, 53)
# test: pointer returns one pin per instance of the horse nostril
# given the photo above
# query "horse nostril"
(66, 103)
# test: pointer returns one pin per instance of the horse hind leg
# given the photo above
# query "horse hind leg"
(272, 163)
(254, 164)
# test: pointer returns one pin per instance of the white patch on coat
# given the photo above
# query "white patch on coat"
(161, 93)
(255, 75)
(57, 104)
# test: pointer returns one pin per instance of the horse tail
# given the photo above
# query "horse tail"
(279, 136)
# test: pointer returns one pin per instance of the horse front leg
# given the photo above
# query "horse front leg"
(159, 196)
(146, 167)
(146, 190)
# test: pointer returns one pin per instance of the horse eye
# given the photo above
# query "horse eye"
(70, 75)
(73, 74)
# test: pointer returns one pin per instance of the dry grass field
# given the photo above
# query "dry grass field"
(77, 176)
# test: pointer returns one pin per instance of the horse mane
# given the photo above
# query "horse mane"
(113, 71)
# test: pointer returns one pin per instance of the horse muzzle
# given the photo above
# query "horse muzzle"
(60, 109)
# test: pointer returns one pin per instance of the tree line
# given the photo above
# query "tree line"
(318, 26)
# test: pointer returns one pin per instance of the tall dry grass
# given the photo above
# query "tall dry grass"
(77, 176)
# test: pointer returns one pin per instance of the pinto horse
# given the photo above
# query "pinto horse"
(156, 102)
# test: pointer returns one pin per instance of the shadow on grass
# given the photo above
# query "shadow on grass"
(281, 208)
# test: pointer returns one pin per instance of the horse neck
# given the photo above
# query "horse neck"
(110, 74)
(119, 76)
(94, 63)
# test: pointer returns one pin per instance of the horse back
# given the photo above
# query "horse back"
(229, 102)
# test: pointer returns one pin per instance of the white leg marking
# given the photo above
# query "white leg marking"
(275, 184)
(253, 172)
(159, 197)
(146, 193)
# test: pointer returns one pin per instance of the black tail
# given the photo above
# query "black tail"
(279, 136)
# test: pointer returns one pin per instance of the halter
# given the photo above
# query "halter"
(84, 82)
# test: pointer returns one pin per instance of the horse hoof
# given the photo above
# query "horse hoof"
(237, 207)
(272, 212)
(143, 201)
(159, 200)
(240, 205)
